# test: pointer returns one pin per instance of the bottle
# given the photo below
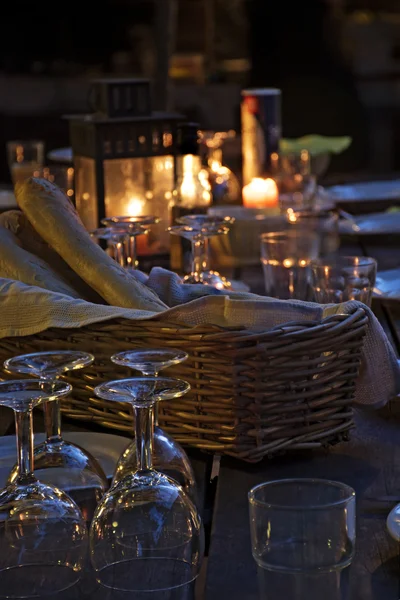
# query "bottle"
(192, 193)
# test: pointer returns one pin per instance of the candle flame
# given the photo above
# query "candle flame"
(134, 207)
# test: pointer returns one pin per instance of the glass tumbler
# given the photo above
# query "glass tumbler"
(323, 222)
(344, 278)
(302, 525)
(286, 257)
(24, 157)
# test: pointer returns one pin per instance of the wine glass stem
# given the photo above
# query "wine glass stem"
(152, 373)
(199, 259)
(132, 251)
(52, 420)
(119, 253)
(24, 430)
(144, 430)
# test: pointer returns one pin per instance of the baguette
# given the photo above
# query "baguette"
(55, 219)
(18, 264)
(18, 224)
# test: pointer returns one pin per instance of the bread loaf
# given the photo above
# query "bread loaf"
(53, 216)
(17, 222)
(18, 264)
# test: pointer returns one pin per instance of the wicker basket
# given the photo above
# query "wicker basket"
(253, 393)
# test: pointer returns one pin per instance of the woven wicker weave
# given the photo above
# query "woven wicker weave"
(253, 393)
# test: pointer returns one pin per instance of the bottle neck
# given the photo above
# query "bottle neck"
(192, 190)
(188, 164)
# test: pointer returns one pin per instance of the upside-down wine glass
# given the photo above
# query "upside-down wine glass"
(57, 461)
(130, 227)
(146, 535)
(43, 536)
(168, 455)
(198, 229)
(116, 241)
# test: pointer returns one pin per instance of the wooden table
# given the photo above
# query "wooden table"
(370, 463)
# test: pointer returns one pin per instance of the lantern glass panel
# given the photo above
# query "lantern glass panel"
(86, 191)
(141, 186)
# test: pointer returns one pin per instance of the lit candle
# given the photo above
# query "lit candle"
(260, 193)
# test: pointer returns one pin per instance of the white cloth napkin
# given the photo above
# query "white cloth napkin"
(26, 310)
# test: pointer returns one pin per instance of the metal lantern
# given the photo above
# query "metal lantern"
(124, 155)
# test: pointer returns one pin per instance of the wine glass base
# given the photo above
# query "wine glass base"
(214, 279)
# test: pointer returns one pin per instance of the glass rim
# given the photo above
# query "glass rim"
(344, 261)
(51, 353)
(308, 480)
(179, 354)
(291, 232)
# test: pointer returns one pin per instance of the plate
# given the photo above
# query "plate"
(366, 192)
(105, 447)
(61, 155)
(372, 224)
(387, 284)
(393, 523)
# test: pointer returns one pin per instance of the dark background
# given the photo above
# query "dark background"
(336, 61)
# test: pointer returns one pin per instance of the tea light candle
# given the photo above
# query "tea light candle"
(260, 193)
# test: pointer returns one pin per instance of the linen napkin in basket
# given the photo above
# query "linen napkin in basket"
(26, 310)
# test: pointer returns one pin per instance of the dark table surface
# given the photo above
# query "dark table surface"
(370, 463)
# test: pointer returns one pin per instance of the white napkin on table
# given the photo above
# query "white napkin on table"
(26, 310)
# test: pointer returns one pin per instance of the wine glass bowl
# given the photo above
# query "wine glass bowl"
(43, 536)
(168, 456)
(58, 462)
(146, 535)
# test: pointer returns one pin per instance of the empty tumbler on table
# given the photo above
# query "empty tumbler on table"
(344, 278)
(303, 535)
(286, 257)
(24, 158)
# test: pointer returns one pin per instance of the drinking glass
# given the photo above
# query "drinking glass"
(297, 185)
(43, 536)
(146, 535)
(61, 176)
(302, 525)
(24, 157)
(169, 457)
(286, 257)
(224, 184)
(344, 278)
(132, 227)
(323, 222)
(57, 461)
(199, 229)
